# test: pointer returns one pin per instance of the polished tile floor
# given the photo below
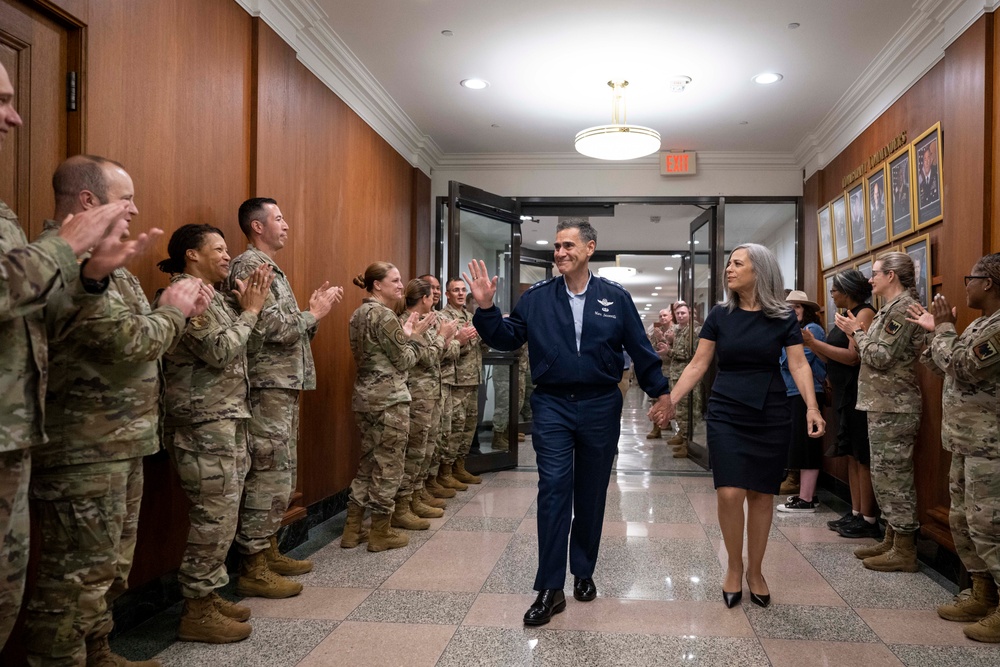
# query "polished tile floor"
(456, 594)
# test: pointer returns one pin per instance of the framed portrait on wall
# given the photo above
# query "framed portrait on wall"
(865, 267)
(857, 219)
(919, 250)
(831, 308)
(841, 236)
(899, 196)
(825, 237)
(878, 220)
(928, 177)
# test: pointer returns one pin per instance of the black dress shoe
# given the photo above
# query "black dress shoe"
(549, 602)
(584, 589)
(732, 599)
(759, 600)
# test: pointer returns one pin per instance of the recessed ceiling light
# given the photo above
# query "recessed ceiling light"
(657, 288)
(668, 268)
(697, 242)
(475, 84)
(677, 256)
(654, 294)
(541, 242)
(767, 77)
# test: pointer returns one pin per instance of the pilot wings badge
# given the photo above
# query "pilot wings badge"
(605, 302)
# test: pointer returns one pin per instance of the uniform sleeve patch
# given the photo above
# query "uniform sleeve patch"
(394, 330)
(987, 350)
(892, 327)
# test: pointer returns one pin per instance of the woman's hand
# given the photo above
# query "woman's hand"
(920, 316)
(847, 323)
(807, 337)
(815, 424)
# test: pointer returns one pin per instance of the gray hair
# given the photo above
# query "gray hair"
(769, 287)
(587, 231)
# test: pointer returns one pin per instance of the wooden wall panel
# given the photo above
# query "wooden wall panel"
(957, 92)
(349, 198)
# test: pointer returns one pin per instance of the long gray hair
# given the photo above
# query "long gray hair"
(769, 287)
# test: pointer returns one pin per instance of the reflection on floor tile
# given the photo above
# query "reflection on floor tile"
(394, 606)
(275, 642)
(483, 523)
(792, 653)
(381, 644)
(786, 621)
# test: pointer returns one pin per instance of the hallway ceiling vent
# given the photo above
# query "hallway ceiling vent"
(619, 140)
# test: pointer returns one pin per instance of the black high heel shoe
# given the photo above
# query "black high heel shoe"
(732, 599)
(759, 600)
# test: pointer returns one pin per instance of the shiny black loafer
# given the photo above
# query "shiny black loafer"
(549, 602)
(584, 589)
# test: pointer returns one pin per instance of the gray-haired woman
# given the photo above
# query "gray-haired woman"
(749, 419)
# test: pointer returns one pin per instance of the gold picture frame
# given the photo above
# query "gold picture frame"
(928, 178)
(864, 266)
(841, 233)
(857, 220)
(831, 308)
(919, 250)
(899, 196)
(825, 235)
(878, 212)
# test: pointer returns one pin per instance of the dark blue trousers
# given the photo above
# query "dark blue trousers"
(575, 436)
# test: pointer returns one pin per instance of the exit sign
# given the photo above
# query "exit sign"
(678, 164)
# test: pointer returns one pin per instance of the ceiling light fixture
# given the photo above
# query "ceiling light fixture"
(619, 140)
(616, 273)
(767, 77)
(541, 242)
(475, 84)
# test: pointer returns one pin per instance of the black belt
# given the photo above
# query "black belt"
(575, 392)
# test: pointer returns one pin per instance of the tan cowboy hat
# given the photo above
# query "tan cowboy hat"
(801, 298)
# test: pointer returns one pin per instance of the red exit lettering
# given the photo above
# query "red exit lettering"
(677, 163)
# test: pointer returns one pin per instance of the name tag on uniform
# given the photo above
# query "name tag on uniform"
(605, 310)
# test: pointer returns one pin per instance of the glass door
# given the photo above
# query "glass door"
(487, 227)
(701, 293)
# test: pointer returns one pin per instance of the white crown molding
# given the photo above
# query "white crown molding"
(917, 46)
(304, 26)
(707, 161)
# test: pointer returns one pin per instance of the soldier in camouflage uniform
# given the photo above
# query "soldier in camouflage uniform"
(424, 384)
(280, 366)
(465, 387)
(888, 391)
(29, 274)
(206, 410)
(384, 350)
(971, 432)
(661, 337)
(501, 399)
(684, 342)
(102, 416)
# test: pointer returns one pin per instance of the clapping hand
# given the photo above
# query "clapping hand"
(939, 313)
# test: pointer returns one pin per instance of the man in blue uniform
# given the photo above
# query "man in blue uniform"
(576, 326)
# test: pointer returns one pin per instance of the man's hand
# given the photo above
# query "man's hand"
(252, 293)
(183, 295)
(424, 323)
(662, 411)
(466, 333)
(82, 230)
(116, 249)
(323, 299)
(481, 287)
(448, 330)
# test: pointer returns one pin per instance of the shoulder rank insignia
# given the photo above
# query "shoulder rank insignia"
(985, 351)
(605, 302)
(892, 327)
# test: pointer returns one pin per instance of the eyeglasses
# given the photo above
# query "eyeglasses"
(883, 272)
(969, 279)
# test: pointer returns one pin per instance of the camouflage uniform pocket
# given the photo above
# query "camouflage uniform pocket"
(80, 512)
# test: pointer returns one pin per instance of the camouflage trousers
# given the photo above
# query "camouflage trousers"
(383, 448)
(464, 415)
(691, 405)
(529, 389)
(892, 436)
(274, 429)
(444, 428)
(975, 512)
(214, 485)
(501, 396)
(87, 516)
(425, 415)
(15, 471)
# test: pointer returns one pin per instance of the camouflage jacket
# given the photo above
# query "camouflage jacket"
(424, 379)
(103, 398)
(971, 364)
(383, 355)
(278, 352)
(29, 274)
(469, 364)
(205, 372)
(682, 351)
(888, 381)
(659, 335)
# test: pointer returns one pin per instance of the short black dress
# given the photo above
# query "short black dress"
(749, 418)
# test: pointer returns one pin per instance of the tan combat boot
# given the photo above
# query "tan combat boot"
(423, 510)
(282, 564)
(655, 433)
(230, 609)
(986, 630)
(99, 655)
(974, 607)
(677, 440)
(681, 451)
(354, 530)
(403, 516)
(202, 622)
(901, 558)
(448, 481)
(436, 490)
(459, 472)
(383, 537)
(790, 485)
(500, 438)
(877, 549)
(427, 498)
(257, 580)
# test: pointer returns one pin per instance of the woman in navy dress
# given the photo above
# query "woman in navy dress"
(749, 418)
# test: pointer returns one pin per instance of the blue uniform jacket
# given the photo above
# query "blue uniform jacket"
(543, 318)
